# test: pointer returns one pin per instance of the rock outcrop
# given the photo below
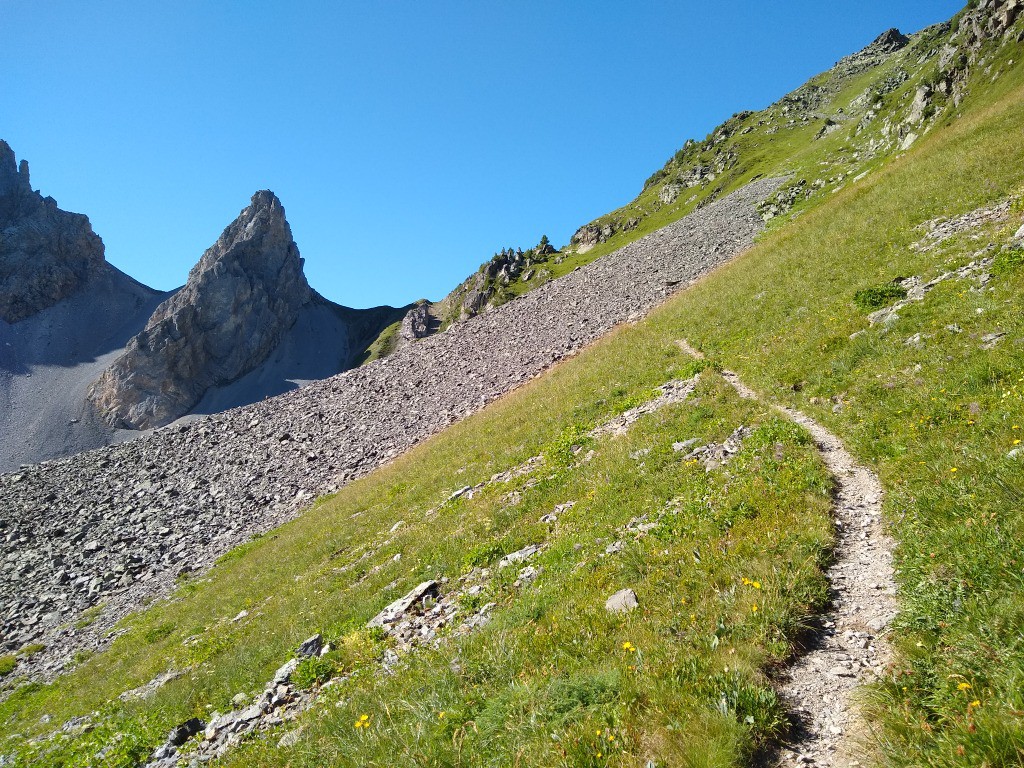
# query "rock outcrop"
(489, 286)
(241, 298)
(46, 254)
(418, 323)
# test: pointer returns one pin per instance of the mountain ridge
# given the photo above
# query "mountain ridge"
(245, 326)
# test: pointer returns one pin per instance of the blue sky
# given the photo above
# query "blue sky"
(408, 141)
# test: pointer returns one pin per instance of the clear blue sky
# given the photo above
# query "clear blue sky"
(408, 141)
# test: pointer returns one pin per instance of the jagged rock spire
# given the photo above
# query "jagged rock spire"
(240, 299)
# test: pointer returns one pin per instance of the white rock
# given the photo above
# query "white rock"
(622, 601)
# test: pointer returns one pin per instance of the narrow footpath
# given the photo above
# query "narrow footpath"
(847, 645)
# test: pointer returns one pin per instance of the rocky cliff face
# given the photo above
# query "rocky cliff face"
(241, 298)
(46, 254)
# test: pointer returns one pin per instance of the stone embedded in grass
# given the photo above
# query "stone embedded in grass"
(527, 574)
(312, 646)
(395, 610)
(519, 555)
(458, 494)
(989, 340)
(1020, 233)
(622, 601)
(291, 738)
(685, 444)
(285, 671)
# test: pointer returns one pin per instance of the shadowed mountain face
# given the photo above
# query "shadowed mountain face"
(46, 254)
(88, 355)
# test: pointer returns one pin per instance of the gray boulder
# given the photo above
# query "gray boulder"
(622, 601)
(417, 323)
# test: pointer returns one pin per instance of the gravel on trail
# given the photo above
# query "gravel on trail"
(847, 646)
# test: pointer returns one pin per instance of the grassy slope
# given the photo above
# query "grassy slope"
(554, 642)
(771, 148)
(552, 662)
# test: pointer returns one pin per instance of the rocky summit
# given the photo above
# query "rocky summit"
(90, 356)
(240, 299)
(46, 254)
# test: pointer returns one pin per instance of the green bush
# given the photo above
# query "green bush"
(879, 296)
(1007, 261)
(7, 665)
(314, 671)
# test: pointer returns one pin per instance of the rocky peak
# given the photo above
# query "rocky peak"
(889, 41)
(240, 299)
(46, 254)
(14, 178)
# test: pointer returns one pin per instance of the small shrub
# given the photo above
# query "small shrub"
(1007, 261)
(483, 554)
(691, 368)
(571, 699)
(314, 671)
(879, 296)
(562, 451)
(158, 633)
(7, 665)
(749, 703)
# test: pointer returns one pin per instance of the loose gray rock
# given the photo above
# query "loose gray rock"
(310, 647)
(395, 611)
(519, 555)
(182, 733)
(622, 601)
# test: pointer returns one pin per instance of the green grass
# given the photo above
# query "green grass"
(764, 518)
(382, 346)
(7, 665)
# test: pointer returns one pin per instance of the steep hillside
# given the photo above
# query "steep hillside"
(624, 561)
(173, 501)
(838, 127)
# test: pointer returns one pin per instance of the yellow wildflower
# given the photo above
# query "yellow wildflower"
(964, 687)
